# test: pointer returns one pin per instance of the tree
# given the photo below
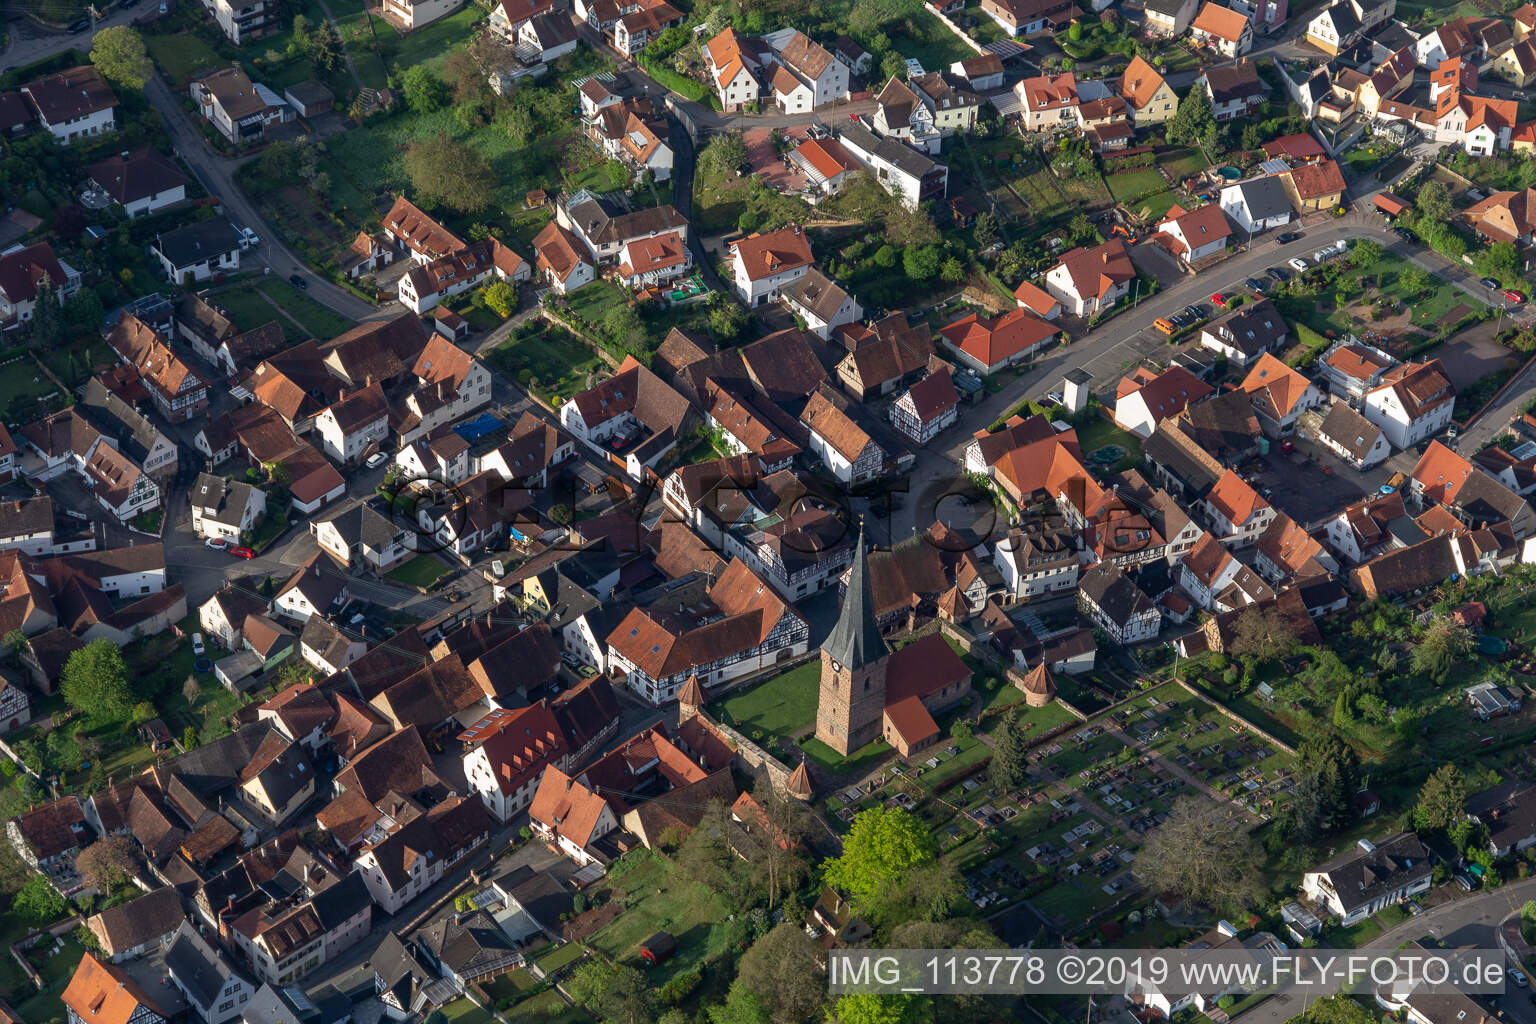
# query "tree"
(726, 319)
(870, 1008)
(1194, 121)
(1336, 1010)
(722, 158)
(782, 970)
(189, 740)
(491, 54)
(1415, 280)
(1327, 779)
(883, 845)
(907, 227)
(1203, 852)
(921, 263)
(1442, 800)
(1366, 253)
(1445, 642)
(1500, 260)
(615, 993)
(449, 172)
(1253, 137)
(952, 272)
(1262, 634)
(107, 863)
(501, 298)
(46, 328)
(14, 642)
(624, 329)
(1433, 202)
(985, 231)
(39, 902)
(120, 55)
(1009, 768)
(741, 1006)
(324, 48)
(424, 91)
(96, 681)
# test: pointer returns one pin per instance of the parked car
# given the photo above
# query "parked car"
(1220, 300)
(1255, 285)
(250, 237)
(1405, 235)
(1286, 237)
(242, 552)
(298, 281)
(1286, 447)
(1276, 274)
(1514, 296)
(216, 544)
(376, 460)
(1517, 977)
(197, 645)
(1489, 282)
(1298, 264)
(1054, 397)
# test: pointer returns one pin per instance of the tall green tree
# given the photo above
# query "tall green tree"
(447, 172)
(1433, 203)
(783, 970)
(38, 902)
(1442, 800)
(1327, 779)
(47, 327)
(884, 844)
(872, 1008)
(1445, 642)
(615, 993)
(424, 92)
(1194, 121)
(120, 55)
(741, 1006)
(96, 681)
(1010, 766)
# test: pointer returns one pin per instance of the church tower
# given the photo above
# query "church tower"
(851, 705)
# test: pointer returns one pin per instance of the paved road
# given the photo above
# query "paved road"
(1469, 921)
(30, 44)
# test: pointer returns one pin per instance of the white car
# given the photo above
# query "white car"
(216, 543)
(376, 460)
(197, 645)
(250, 237)
(1298, 264)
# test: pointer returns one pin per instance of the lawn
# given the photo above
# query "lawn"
(1100, 432)
(594, 302)
(658, 898)
(780, 707)
(421, 571)
(555, 359)
(22, 389)
(1049, 196)
(549, 1008)
(464, 1011)
(1181, 163)
(249, 310)
(1130, 185)
(1156, 205)
(183, 56)
(855, 764)
(557, 958)
(1321, 313)
(924, 37)
(317, 319)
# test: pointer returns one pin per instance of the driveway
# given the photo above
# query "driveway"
(1151, 258)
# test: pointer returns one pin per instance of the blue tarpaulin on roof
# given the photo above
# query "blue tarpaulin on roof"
(475, 429)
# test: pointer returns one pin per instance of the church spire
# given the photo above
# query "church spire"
(856, 641)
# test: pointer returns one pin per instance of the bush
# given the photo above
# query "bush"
(680, 987)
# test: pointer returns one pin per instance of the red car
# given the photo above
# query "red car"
(1286, 447)
(1514, 296)
(242, 552)
(1220, 300)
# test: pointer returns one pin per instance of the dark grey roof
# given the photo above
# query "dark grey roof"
(1167, 8)
(21, 518)
(325, 639)
(541, 895)
(341, 901)
(468, 944)
(199, 969)
(1114, 592)
(272, 1006)
(1235, 82)
(897, 154)
(1252, 330)
(108, 413)
(365, 524)
(287, 775)
(226, 498)
(217, 765)
(1264, 197)
(196, 243)
(856, 641)
(1360, 875)
(1349, 430)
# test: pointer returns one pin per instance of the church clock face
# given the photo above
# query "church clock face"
(836, 666)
